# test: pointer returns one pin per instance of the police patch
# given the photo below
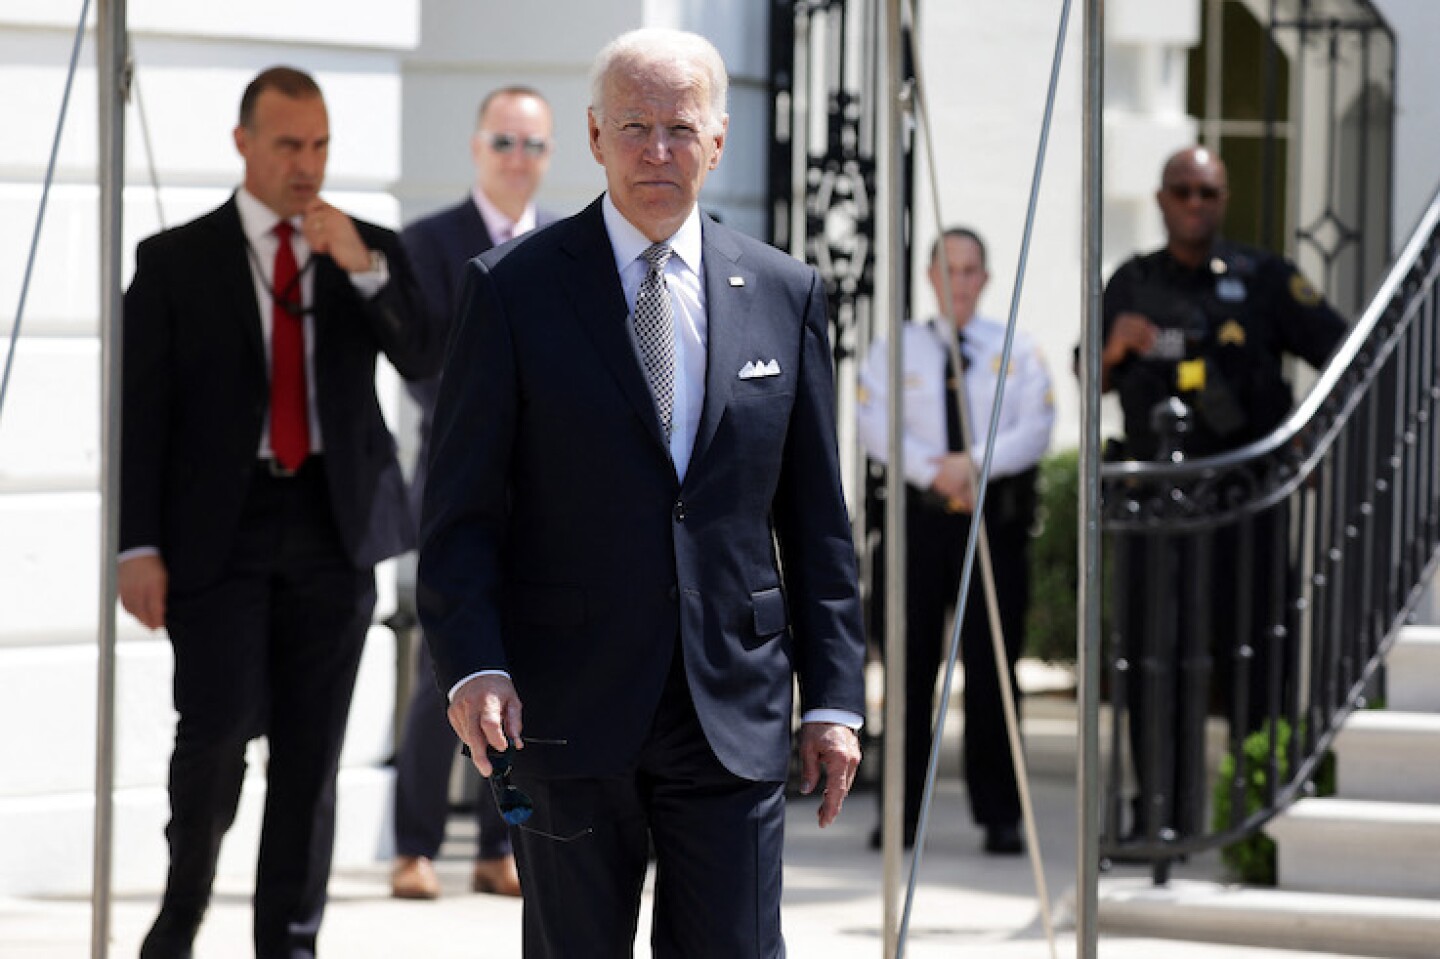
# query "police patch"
(1231, 333)
(1302, 292)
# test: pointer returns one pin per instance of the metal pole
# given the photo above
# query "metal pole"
(1088, 642)
(978, 531)
(110, 64)
(893, 187)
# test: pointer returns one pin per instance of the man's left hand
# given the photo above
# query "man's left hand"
(834, 750)
(332, 232)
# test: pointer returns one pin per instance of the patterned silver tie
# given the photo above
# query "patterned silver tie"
(655, 332)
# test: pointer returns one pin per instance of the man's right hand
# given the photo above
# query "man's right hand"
(143, 583)
(486, 712)
(1130, 333)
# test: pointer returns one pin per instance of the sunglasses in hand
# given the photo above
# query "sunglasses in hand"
(515, 805)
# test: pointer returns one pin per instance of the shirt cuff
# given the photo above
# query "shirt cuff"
(840, 717)
(450, 696)
(135, 552)
(369, 282)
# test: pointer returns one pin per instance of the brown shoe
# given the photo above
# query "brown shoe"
(496, 876)
(413, 877)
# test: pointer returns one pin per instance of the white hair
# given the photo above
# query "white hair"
(654, 45)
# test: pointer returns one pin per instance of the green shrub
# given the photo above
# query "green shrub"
(1252, 859)
(1051, 621)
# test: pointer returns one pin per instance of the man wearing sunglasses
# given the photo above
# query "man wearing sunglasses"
(511, 152)
(1206, 321)
(634, 526)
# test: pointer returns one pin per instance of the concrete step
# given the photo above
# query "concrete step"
(1359, 847)
(1412, 670)
(1398, 928)
(1390, 756)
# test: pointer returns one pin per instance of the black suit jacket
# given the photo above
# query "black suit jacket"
(196, 395)
(439, 246)
(559, 545)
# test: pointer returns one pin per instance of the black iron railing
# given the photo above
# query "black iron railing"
(1255, 593)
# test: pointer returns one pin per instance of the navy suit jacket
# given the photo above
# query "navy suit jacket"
(439, 246)
(558, 543)
(196, 390)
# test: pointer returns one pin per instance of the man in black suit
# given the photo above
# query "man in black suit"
(635, 435)
(511, 151)
(259, 486)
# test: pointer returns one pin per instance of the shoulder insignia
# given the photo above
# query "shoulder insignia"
(1302, 291)
(1231, 333)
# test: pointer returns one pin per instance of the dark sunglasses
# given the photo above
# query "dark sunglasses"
(515, 805)
(506, 142)
(1184, 191)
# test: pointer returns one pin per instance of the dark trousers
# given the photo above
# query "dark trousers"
(270, 649)
(422, 776)
(935, 554)
(717, 842)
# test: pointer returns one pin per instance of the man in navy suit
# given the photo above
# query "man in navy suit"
(635, 436)
(259, 487)
(511, 151)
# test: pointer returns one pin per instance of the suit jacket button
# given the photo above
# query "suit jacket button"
(679, 511)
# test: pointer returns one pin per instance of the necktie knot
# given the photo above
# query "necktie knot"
(657, 255)
(284, 231)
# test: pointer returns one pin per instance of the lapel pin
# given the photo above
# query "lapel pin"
(737, 281)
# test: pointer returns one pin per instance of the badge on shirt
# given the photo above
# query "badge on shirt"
(1231, 333)
(1230, 289)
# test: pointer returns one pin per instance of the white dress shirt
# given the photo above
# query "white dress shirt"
(500, 227)
(1026, 418)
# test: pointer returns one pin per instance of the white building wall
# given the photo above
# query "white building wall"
(1416, 26)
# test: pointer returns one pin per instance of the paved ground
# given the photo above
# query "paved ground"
(968, 905)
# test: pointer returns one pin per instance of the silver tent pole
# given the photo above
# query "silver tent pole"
(891, 190)
(1088, 642)
(110, 64)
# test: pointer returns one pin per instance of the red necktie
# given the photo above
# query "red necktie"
(289, 416)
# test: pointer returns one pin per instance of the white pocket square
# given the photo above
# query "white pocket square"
(756, 368)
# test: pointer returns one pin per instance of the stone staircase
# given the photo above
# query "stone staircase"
(1359, 872)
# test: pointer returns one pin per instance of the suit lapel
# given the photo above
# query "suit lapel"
(726, 307)
(599, 300)
(233, 255)
(474, 236)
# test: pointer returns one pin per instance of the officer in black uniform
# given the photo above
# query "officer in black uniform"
(1207, 322)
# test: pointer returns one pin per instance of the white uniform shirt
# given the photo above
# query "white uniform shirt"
(1026, 417)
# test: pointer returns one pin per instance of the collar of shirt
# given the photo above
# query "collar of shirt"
(497, 224)
(627, 242)
(258, 223)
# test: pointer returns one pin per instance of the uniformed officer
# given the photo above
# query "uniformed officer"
(1208, 321)
(940, 474)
